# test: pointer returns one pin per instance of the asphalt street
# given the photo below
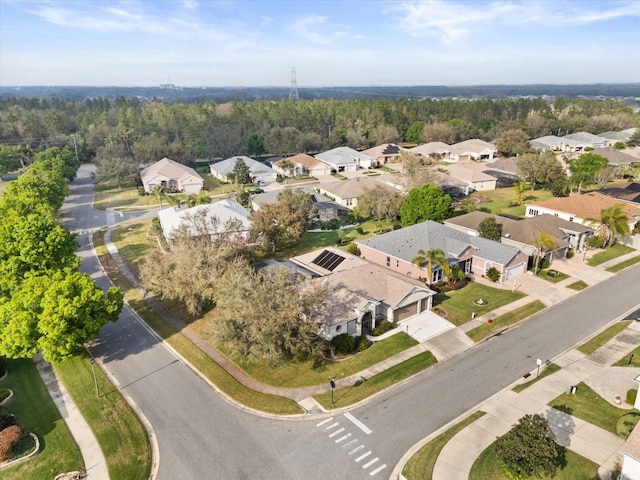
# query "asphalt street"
(200, 435)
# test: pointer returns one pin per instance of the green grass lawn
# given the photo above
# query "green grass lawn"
(298, 373)
(132, 242)
(603, 337)
(420, 466)
(120, 433)
(552, 276)
(546, 371)
(210, 369)
(112, 197)
(36, 412)
(501, 200)
(622, 265)
(575, 467)
(502, 321)
(579, 285)
(609, 253)
(367, 387)
(459, 305)
(590, 407)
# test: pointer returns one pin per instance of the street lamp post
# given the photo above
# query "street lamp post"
(95, 380)
(332, 382)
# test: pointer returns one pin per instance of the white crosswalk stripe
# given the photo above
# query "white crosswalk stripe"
(356, 450)
(343, 438)
(378, 470)
(337, 432)
(369, 463)
(363, 456)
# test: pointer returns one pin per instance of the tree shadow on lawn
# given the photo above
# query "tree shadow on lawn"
(563, 425)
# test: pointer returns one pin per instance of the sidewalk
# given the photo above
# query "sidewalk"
(505, 408)
(94, 462)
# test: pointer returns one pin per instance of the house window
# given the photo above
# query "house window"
(351, 327)
(571, 219)
(388, 261)
(397, 263)
(348, 202)
(338, 328)
(533, 212)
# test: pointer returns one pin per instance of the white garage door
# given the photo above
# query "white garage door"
(513, 271)
(405, 312)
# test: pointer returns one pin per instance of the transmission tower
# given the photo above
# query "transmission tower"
(293, 91)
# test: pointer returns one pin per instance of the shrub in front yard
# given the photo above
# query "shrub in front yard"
(631, 396)
(626, 424)
(383, 327)
(362, 343)
(493, 274)
(343, 344)
(9, 437)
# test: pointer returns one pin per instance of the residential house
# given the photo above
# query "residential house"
(505, 170)
(172, 175)
(556, 144)
(225, 211)
(474, 149)
(346, 192)
(616, 158)
(260, 173)
(345, 159)
(585, 209)
(621, 136)
(301, 164)
(630, 451)
(588, 139)
(361, 293)
(629, 192)
(326, 209)
(396, 250)
(523, 234)
(473, 175)
(454, 187)
(385, 154)
(432, 150)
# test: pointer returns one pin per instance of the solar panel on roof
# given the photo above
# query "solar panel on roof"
(328, 260)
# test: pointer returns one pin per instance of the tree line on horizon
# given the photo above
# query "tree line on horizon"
(138, 131)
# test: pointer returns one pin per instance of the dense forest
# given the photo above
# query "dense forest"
(141, 131)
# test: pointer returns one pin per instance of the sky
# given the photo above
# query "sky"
(194, 43)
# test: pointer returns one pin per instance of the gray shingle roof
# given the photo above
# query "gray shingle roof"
(405, 243)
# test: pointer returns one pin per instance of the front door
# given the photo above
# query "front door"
(366, 323)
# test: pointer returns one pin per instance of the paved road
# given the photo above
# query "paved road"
(202, 436)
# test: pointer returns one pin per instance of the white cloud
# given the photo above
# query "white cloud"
(303, 27)
(190, 4)
(450, 20)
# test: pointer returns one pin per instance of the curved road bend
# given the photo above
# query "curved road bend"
(202, 436)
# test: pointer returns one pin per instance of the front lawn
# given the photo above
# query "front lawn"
(579, 285)
(302, 373)
(112, 197)
(505, 320)
(460, 305)
(622, 265)
(366, 387)
(132, 242)
(614, 251)
(420, 466)
(590, 407)
(552, 276)
(36, 412)
(603, 337)
(122, 438)
(574, 467)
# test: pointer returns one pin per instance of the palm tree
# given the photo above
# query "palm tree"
(160, 193)
(520, 188)
(430, 257)
(614, 223)
(543, 243)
